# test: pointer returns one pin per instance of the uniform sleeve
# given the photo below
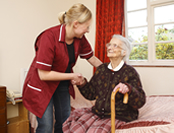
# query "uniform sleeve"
(86, 51)
(45, 51)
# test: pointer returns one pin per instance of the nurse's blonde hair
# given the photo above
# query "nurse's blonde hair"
(77, 12)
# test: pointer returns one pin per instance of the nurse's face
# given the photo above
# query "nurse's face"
(81, 28)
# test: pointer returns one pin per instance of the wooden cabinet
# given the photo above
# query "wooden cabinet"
(3, 110)
(17, 124)
(20, 123)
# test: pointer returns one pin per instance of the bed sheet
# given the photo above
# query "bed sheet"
(156, 116)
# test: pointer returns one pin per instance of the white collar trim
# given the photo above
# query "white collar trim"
(118, 67)
(60, 35)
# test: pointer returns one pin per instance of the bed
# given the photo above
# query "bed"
(156, 116)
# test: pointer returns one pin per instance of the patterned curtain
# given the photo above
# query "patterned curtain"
(109, 21)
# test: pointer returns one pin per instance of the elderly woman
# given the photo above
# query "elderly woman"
(108, 77)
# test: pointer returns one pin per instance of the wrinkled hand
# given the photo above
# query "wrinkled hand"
(78, 79)
(122, 88)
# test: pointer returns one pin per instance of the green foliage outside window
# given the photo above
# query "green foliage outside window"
(163, 50)
(139, 52)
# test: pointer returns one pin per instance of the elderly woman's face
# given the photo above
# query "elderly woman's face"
(114, 49)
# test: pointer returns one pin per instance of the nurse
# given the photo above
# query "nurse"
(48, 82)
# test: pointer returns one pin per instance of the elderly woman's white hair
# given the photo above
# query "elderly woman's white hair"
(126, 46)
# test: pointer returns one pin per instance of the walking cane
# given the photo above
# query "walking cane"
(125, 100)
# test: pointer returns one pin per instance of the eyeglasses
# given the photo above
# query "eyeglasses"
(113, 45)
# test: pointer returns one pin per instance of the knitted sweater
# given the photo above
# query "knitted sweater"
(101, 86)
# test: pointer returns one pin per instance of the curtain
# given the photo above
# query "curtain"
(109, 21)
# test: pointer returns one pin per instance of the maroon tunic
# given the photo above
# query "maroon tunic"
(51, 54)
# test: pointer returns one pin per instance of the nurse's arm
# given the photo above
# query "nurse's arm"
(94, 61)
(58, 76)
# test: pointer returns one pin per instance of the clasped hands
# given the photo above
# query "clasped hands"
(78, 79)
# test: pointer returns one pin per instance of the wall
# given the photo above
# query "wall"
(157, 80)
(21, 22)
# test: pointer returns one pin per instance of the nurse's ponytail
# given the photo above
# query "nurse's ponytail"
(61, 17)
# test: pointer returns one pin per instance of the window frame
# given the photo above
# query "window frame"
(151, 61)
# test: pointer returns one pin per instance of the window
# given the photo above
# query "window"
(150, 29)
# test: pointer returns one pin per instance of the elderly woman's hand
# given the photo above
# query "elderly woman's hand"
(122, 88)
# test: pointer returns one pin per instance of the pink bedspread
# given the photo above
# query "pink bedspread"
(156, 116)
